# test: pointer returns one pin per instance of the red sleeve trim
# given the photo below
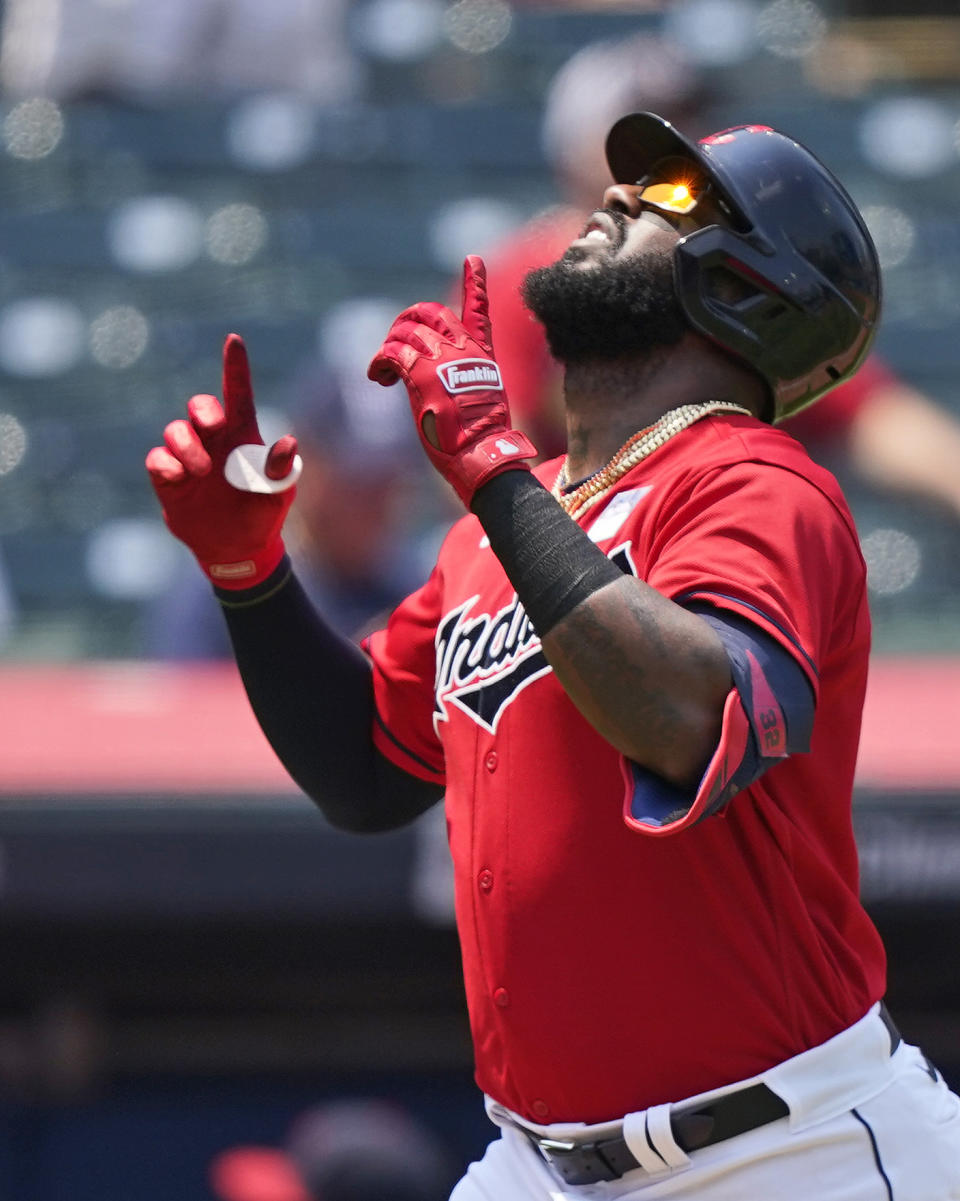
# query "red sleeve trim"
(731, 748)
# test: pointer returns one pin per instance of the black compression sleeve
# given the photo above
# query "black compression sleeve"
(312, 693)
(550, 561)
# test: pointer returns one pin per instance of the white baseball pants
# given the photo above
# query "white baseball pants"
(864, 1125)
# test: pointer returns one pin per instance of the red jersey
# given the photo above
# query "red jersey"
(606, 969)
(532, 378)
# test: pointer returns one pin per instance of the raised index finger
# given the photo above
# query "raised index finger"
(476, 306)
(237, 389)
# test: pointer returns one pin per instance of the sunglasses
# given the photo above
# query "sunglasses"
(671, 197)
(675, 187)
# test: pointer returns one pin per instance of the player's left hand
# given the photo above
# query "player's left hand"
(454, 386)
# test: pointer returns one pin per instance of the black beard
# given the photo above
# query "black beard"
(607, 311)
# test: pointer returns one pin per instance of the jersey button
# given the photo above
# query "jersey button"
(501, 997)
(485, 880)
(540, 1108)
(491, 761)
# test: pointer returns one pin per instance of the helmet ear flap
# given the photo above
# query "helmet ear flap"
(774, 325)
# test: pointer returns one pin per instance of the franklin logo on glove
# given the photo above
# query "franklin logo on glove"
(468, 375)
(465, 426)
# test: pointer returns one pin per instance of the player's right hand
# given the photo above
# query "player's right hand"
(234, 529)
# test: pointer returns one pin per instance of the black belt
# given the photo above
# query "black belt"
(736, 1113)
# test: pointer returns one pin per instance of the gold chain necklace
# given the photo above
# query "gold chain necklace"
(636, 448)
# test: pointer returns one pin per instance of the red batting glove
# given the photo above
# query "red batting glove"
(454, 387)
(233, 529)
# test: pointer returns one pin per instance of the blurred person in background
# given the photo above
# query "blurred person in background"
(351, 1150)
(353, 531)
(592, 89)
(889, 434)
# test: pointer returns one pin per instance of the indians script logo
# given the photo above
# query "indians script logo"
(470, 375)
(484, 661)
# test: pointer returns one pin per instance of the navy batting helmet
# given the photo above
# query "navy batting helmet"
(785, 276)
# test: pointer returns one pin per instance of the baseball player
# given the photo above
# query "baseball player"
(637, 674)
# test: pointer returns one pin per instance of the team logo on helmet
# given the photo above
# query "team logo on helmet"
(470, 375)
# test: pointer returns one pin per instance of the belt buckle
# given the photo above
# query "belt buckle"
(554, 1145)
(576, 1163)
